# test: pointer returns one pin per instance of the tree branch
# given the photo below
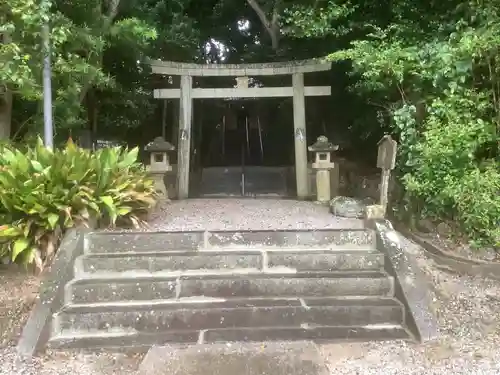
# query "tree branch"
(112, 12)
(270, 26)
(276, 13)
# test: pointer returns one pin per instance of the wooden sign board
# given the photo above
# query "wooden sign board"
(387, 150)
(104, 143)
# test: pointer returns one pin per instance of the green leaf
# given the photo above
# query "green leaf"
(19, 246)
(124, 210)
(129, 159)
(7, 231)
(37, 166)
(110, 206)
(53, 219)
(108, 201)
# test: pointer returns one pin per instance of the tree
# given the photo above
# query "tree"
(428, 73)
(82, 34)
(270, 19)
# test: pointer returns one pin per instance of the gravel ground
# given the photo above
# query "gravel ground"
(213, 214)
(468, 308)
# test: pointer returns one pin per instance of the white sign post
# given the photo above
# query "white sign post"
(386, 160)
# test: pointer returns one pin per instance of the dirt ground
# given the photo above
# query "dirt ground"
(18, 291)
(18, 294)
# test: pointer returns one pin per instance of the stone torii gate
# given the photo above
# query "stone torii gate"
(186, 93)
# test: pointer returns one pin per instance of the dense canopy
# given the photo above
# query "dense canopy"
(426, 72)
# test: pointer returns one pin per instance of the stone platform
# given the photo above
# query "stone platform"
(267, 358)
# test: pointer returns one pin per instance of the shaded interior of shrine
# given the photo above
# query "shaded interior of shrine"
(244, 132)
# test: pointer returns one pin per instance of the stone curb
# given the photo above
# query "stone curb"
(36, 332)
(451, 262)
(412, 286)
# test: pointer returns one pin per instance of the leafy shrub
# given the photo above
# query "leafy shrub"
(45, 192)
(478, 204)
(447, 176)
(437, 89)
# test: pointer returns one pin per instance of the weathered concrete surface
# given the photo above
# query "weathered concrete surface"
(276, 358)
(131, 289)
(322, 238)
(140, 242)
(112, 242)
(122, 338)
(289, 285)
(327, 261)
(37, 330)
(226, 261)
(140, 288)
(156, 319)
(377, 332)
(169, 262)
(412, 287)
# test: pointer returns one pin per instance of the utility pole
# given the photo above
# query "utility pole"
(48, 127)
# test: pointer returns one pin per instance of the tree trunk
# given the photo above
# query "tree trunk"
(5, 101)
(5, 114)
(92, 113)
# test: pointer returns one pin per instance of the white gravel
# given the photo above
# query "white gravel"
(213, 214)
(468, 308)
(69, 363)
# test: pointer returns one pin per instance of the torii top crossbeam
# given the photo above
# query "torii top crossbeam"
(221, 70)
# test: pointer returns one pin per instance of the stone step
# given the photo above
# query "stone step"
(248, 358)
(209, 303)
(298, 260)
(230, 314)
(153, 287)
(126, 242)
(122, 338)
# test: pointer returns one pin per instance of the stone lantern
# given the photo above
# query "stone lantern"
(159, 163)
(323, 164)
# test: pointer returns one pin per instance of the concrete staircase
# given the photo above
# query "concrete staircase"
(139, 289)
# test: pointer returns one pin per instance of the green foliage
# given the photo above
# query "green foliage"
(429, 71)
(304, 21)
(44, 192)
(446, 173)
(81, 32)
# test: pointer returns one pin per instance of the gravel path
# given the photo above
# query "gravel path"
(468, 308)
(213, 214)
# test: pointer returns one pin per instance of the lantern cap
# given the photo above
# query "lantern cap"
(159, 145)
(322, 144)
